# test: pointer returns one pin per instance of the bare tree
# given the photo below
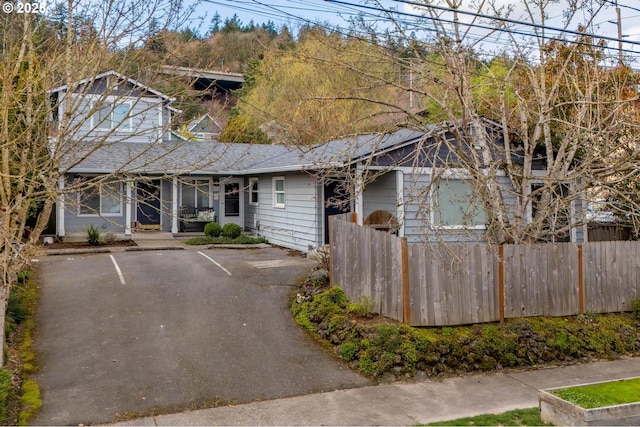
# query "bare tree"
(45, 133)
(531, 132)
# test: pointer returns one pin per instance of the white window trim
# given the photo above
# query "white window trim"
(432, 206)
(532, 182)
(100, 214)
(275, 193)
(257, 192)
(112, 100)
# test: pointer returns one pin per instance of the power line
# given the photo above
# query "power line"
(379, 14)
(613, 3)
(506, 20)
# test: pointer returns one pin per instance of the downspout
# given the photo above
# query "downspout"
(127, 209)
(60, 214)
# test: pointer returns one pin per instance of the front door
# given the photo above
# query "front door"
(148, 204)
(232, 202)
(336, 201)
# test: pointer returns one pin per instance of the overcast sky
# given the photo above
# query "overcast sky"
(299, 12)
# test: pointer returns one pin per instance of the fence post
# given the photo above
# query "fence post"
(580, 280)
(406, 300)
(354, 217)
(501, 282)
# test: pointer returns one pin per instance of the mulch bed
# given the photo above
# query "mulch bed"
(82, 245)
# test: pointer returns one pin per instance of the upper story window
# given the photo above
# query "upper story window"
(278, 192)
(253, 191)
(112, 115)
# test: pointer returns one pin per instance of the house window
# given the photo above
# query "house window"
(111, 115)
(195, 193)
(456, 206)
(278, 192)
(253, 191)
(103, 199)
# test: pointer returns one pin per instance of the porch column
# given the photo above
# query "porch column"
(359, 194)
(60, 214)
(400, 200)
(174, 205)
(127, 208)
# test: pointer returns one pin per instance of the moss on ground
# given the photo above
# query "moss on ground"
(379, 348)
(20, 394)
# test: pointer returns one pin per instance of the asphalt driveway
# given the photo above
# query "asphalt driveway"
(138, 333)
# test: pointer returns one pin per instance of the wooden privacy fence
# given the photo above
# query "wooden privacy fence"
(437, 285)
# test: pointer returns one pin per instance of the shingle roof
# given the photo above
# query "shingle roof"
(217, 157)
(199, 157)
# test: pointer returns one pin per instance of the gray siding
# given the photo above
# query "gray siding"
(417, 221)
(144, 113)
(299, 224)
(417, 224)
(381, 195)
(76, 223)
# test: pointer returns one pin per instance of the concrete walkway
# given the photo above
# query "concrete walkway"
(406, 403)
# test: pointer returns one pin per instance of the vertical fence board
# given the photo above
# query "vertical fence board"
(458, 284)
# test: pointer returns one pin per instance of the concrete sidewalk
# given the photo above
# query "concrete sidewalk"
(407, 403)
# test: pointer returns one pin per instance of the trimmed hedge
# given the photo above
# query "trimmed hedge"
(212, 229)
(231, 230)
(379, 348)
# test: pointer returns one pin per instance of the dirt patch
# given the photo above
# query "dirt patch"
(83, 245)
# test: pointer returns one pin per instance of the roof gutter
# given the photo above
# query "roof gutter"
(292, 168)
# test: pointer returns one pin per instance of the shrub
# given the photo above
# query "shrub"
(212, 229)
(231, 230)
(348, 351)
(363, 307)
(94, 237)
(635, 308)
(24, 275)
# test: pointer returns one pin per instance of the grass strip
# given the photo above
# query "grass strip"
(603, 394)
(518, 417)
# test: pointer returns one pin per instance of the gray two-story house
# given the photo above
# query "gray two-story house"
(123, 170)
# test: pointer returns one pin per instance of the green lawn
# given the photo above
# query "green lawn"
(603, 394)
(518, 417)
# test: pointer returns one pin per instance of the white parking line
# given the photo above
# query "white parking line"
(115, 264)
(216, 263)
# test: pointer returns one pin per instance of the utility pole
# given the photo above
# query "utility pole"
(619, 34)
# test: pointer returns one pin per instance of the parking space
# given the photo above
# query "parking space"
(164, 331)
